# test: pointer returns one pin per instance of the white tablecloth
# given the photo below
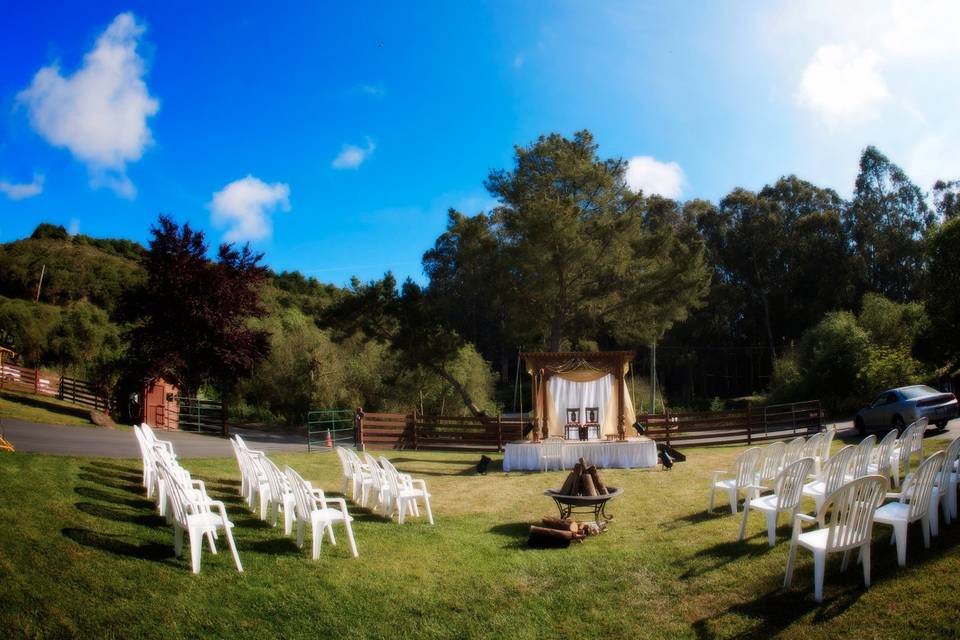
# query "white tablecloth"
(525, 456)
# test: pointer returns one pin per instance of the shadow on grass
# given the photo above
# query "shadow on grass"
(41, 403)
(120, 545)
(136, 470)
(128, 477)
(722, 554)
(96, 494)
(129, 487)
(273, 546)
(693, 518)
(110, 513)
(776, 611)
(516, 533)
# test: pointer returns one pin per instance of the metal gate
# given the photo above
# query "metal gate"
(198, 415)
(329, 428)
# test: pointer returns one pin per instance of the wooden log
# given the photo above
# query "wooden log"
(597, 481)
(564, 524)
(570, 483)
(587, 487)
(542, 538)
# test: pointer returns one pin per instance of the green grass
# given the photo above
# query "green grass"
(41, 409)
(84, 554)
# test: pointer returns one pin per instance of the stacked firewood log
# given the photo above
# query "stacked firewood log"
(559, 532)
(584, 481)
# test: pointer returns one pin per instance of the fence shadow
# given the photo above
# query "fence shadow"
(47, 404)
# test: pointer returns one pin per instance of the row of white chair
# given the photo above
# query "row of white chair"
(849, 496)
(275, 492)
(382, 487)
(181, 499)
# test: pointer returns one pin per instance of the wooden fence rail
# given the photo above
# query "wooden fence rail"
(741, 426)
(17, 378)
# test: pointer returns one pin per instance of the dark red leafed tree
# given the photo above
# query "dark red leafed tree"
(194, 311)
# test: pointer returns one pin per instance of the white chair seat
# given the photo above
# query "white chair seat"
(328, 514)
(815, 488)
(891, 512)
(817, 539)
(726, 484)
(209, 519)
(764, 503)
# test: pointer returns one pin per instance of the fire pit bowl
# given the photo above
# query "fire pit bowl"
(593, 505)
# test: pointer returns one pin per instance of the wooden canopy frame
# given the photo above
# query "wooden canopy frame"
(542, 365)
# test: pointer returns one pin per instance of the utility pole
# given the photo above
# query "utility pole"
(40, 284)
(653, 377)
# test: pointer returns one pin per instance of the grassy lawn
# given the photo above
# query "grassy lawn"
(84, 554)
(40, 409)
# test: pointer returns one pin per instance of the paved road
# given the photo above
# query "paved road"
(117, 443)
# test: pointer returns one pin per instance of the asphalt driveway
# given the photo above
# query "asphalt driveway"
(121, 443)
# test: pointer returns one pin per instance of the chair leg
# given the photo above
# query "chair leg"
(426, 503)
(933, 516)
(177, 540)
(865, 561)
(791, 559)
(402, 510)
(233, 548)
(900, 537)
(196, 546)
(213, 547)
(317, 541)
(353, 543)
(287, 520)
(925, 526)
(732, 495)
(713, 490)
(846, 560)
(819, 564)
(772, 527)
(330, 535)
(300, 528)
(743, 520)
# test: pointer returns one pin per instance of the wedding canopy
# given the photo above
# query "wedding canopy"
(578, 380)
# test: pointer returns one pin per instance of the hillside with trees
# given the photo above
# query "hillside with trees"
(790, 292)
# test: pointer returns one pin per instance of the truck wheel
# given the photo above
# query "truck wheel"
(860, 426)
(898, 425)
(941, 425)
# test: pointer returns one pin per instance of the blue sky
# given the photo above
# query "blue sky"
(335, 137)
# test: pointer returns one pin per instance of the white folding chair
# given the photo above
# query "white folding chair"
(197, 518)
(770, 462)
(551, 451)
(832, 476)
(743, 477)
(880, 464)
(784, 499)
(312, 506)
(860, 460)
(405, 492)
(912, 503)
(846, 523)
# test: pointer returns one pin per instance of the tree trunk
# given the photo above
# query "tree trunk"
(766, 319)
(459, 388)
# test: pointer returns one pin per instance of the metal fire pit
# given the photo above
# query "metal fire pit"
(592, 505)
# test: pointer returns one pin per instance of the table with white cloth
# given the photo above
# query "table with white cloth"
(610, 454)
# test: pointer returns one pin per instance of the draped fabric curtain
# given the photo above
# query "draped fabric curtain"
(581, 389)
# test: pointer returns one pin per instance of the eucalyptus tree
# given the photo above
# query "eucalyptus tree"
(887, 221)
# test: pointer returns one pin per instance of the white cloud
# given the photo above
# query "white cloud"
(654, 177)
(373, 90)
(21, 191)
(352, 156)
(842, 81)
(245, 206)
(100, 111)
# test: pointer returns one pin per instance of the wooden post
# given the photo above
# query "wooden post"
(749, 426)
(223, 419)
(414, 429)
(358, 427)
(36, 381)
(499, 433)
(621, 436)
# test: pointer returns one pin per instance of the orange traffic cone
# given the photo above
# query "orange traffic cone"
(329, 441)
